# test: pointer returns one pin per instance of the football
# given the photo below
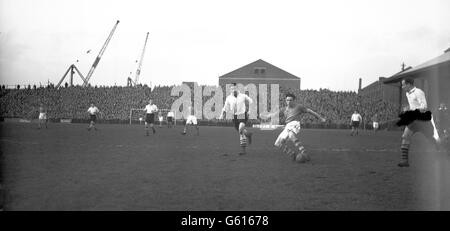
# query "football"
(301, 158)
(308, 158)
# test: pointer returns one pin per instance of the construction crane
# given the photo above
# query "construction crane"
(138, 71)
(130, 82)
(99, 56)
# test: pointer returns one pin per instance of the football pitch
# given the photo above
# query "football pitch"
(66, 167)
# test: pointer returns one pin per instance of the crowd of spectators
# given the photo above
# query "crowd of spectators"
(116, 102)
(72, 102)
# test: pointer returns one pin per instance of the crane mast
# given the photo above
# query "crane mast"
(99, 56)
(72, 70)
(138, 71)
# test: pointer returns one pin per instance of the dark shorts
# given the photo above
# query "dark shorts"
(93, 118)
(150, 118)
(242, 118)
(170, 119)
(409, 117)
(355, 123)
(424, 127)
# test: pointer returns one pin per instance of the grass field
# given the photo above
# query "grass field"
(66, 167)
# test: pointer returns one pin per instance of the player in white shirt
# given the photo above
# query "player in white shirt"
(354, 122)
(375, 123)
(291, 114)
(191, 120)
(42, 116)
(160, 118)
(93, 111)
(150, 111)
(417, 101)
(235, 103)
(170, 118)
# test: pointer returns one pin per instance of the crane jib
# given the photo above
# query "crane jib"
(96, 62)
(94, 65)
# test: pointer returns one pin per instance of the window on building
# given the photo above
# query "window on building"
(260, 70)
(263, 71)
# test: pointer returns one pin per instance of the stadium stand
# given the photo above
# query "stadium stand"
(115, 103)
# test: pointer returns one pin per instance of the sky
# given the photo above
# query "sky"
(327, 43)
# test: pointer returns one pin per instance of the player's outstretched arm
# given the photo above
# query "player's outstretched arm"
(322, 119)
(267, 115)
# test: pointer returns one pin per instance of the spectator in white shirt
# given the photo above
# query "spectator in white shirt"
(235, 103)
(355, 121)
(417, 101)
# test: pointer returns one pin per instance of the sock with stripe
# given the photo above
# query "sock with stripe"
(243, 140)
(405, 153)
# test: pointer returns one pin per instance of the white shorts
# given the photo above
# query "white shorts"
(293, 126)
(375, 125)
(160, 119)
(191, 120)
(42, 116)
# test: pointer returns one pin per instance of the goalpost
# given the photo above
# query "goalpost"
(138, 114)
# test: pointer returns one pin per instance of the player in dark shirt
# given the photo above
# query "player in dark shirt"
(292, 113)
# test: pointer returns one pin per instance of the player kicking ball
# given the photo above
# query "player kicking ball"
(191, 120)
(292, 113)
